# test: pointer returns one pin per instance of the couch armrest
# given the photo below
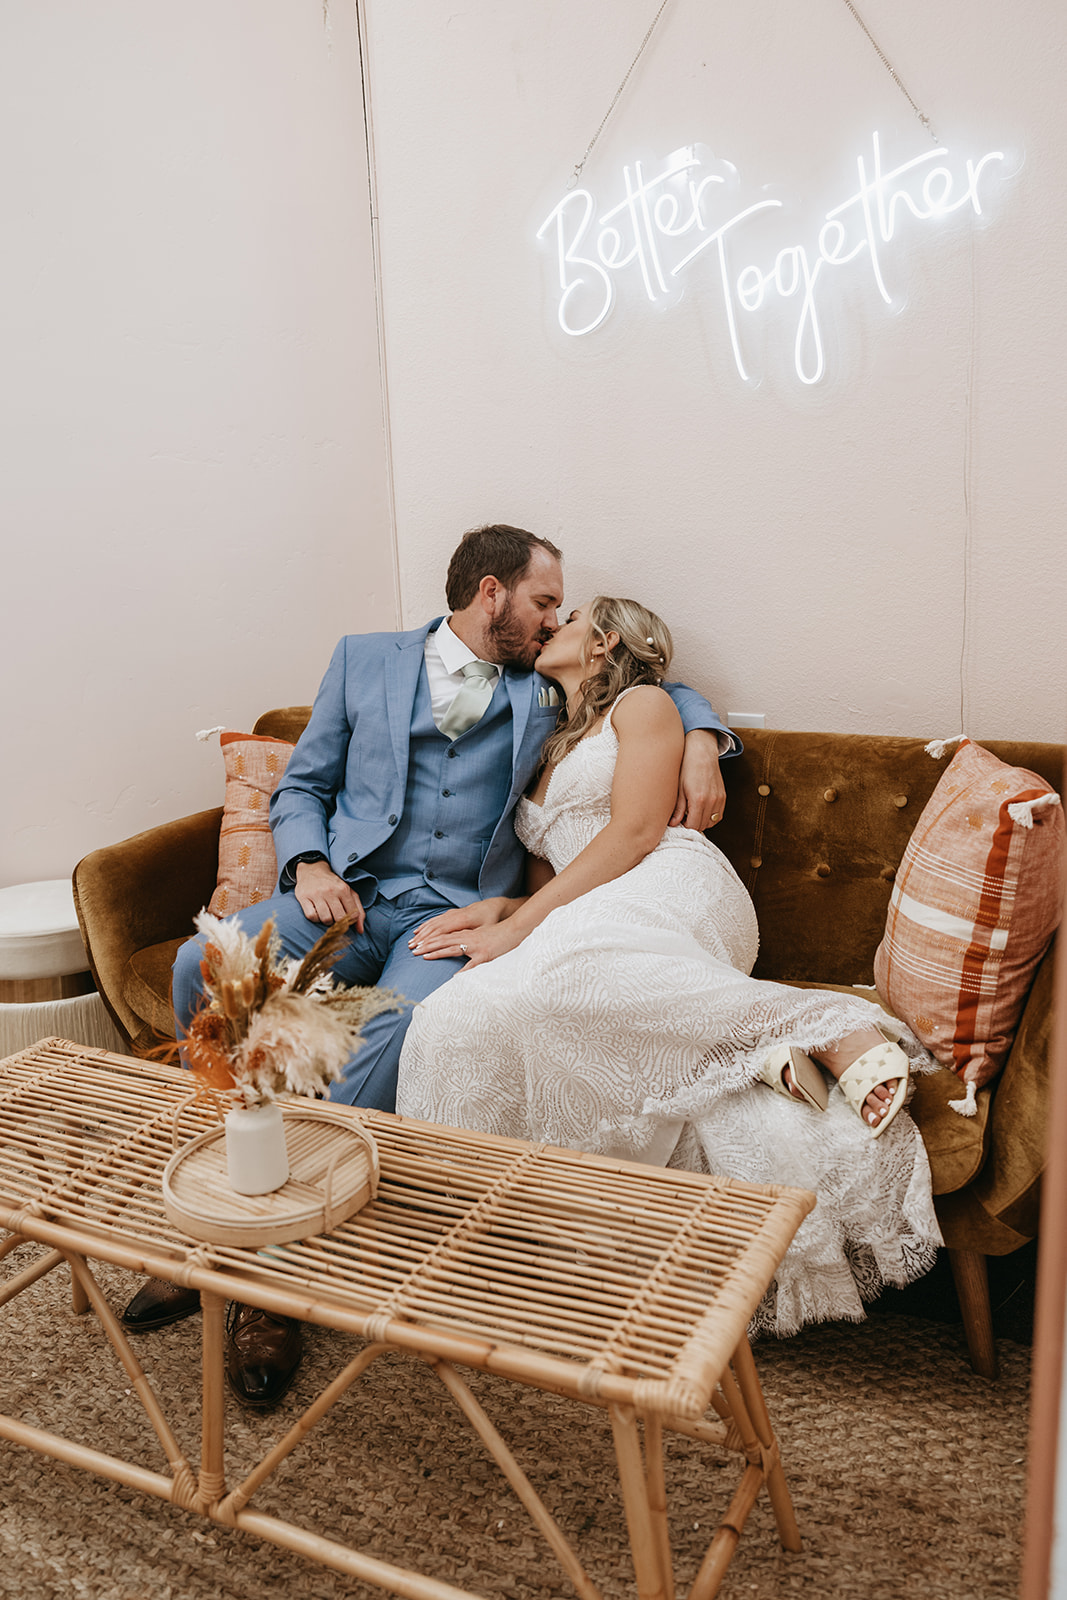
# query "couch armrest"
(999, 1211)
(142, 892)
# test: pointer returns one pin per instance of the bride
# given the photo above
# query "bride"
(610, 1010)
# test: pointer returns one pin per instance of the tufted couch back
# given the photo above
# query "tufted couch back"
(816, 824)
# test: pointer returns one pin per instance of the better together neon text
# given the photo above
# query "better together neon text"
(686, 201)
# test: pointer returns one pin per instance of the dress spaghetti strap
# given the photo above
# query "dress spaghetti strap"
(607, 720)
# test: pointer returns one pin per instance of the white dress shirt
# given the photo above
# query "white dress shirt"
(446, 656)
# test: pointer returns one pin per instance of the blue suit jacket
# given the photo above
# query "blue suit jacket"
(343, 789)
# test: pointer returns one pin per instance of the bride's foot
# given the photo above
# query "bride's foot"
(789, 1071)
(885, 1096)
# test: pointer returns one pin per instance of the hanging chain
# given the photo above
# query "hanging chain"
(888, 65)
(603, 121)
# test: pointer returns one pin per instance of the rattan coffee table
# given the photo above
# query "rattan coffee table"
(623, 1286)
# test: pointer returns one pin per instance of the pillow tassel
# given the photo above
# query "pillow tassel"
(1022, 811)
(969, 1106)
(208, 733)
(938, 747)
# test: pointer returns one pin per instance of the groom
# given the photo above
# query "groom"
(398, 803)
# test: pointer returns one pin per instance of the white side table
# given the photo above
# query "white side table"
(45, 985)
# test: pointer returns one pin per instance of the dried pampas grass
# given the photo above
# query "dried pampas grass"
(269, 1027)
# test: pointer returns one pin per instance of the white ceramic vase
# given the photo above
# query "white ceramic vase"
(257, 1161)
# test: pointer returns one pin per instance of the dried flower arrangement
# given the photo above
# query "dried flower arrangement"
(269, 1025)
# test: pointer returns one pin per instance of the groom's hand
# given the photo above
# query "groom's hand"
(701, 793)
(324, 897)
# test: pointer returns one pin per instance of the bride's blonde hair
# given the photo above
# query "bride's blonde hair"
(642, 655)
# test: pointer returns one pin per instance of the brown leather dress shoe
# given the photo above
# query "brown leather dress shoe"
(262, 1355)
(157, 1304)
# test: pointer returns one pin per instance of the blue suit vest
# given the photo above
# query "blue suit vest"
(456, 792)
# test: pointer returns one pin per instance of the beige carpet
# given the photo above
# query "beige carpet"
(907, 1472)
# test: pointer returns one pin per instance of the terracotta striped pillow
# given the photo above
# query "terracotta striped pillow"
(976, 900)
(248, 869)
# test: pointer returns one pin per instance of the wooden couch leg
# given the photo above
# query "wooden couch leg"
(971, 1278)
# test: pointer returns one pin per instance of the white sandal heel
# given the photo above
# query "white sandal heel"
(807, 1078)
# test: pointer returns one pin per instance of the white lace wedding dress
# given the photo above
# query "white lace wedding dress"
(626, 1025)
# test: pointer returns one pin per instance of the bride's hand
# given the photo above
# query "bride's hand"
(440, 936)
(485, 944)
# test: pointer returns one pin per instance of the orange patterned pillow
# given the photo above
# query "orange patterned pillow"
(248, 869)
(976, 900)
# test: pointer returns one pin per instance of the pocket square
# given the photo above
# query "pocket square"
(548, 697)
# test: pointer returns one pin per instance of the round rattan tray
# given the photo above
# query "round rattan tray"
(333, 1170)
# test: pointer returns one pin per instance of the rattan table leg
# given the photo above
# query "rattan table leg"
(78, 1455)
(644, 1544)
(367, 1569)
(777, 1488)
(535, 1506)
(742, 1423)
(79, 1300)
(36, 1269)
(39, 1269)
(239, 1497)
(657, 1499)
(719, 1551)
(184, 1490)
(12, 1242)
(748, 1411)
(212, 1484)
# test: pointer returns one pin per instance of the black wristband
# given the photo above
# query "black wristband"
(288, 878)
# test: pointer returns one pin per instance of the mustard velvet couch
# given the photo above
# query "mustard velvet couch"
(815, 825)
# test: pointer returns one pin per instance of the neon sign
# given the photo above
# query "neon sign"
(690, 200)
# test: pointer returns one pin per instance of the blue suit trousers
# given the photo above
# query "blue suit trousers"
(378, 955)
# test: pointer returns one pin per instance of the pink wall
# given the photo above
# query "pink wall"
(193, 496)
(810, 548)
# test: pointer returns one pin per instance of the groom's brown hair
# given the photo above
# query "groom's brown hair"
(496, 551)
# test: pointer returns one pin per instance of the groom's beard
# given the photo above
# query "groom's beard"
(511, 643)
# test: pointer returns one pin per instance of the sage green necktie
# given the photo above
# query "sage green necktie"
(471, 700)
